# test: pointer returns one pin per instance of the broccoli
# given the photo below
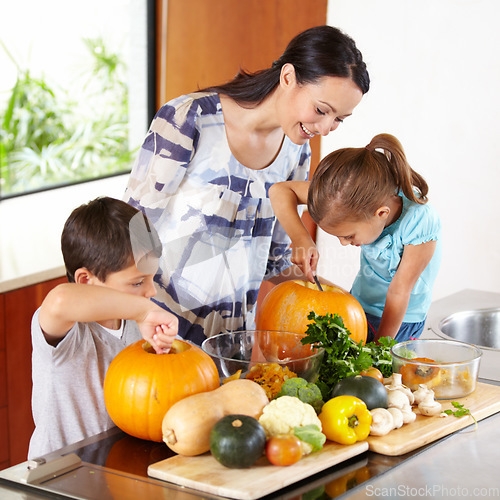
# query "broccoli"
(306, 391)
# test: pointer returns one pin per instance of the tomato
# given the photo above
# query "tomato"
(283, 450)
(373, 372)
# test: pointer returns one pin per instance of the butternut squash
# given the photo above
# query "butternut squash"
(187, 424)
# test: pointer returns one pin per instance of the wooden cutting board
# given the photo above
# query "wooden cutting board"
(204, 473)
(483, 402)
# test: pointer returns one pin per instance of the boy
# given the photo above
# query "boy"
(110, 253)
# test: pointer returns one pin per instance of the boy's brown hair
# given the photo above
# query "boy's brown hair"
(97, 236)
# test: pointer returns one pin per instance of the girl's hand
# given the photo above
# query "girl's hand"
(159, 328)
(305, 255)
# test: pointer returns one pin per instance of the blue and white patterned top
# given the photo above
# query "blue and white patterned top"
(218, 230)
(417, 224)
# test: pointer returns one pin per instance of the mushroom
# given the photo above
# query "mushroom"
(397, 399)
(429, 406)
(397, 385)
(382, 422)
(397, 416)
(409, 415)
(422, 393)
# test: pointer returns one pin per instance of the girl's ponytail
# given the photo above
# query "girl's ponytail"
(406, 178)
(353, 182)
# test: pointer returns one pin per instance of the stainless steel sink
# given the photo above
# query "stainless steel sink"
(470, 316)
(480, 327)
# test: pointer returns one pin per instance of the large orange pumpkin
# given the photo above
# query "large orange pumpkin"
(286, 306)
(140, 385)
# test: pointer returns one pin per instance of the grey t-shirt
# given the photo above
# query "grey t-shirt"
(67, 400)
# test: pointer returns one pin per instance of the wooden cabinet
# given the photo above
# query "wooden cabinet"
(201, 43)
(4, 439)
(16, 423)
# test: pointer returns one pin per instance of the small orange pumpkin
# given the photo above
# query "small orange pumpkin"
(414, 374)
(286, 306)
(140, 385)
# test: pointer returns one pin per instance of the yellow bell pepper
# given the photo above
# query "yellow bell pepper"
(345, 420)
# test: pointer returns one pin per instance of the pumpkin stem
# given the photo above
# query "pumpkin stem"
(237, 423)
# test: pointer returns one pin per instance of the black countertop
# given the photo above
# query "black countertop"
(114, 466)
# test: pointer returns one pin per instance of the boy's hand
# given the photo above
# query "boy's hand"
(159, 328)
(305, 255)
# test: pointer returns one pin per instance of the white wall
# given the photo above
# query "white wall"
(31, 226)
(435, 72)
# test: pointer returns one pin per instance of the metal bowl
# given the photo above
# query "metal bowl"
(236, 351)
(447, 367)
(480, 327)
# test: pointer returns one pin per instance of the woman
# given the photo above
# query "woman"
(204, 170)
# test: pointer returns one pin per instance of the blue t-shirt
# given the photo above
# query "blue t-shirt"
(380, 260)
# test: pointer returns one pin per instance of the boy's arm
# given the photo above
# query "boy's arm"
(70, 303)
(285, 197)
(414, 261)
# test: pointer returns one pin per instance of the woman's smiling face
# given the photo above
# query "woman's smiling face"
(315, 108)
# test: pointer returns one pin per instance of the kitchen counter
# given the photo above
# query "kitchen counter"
(114, 466)
(8, 285)
(463, 464)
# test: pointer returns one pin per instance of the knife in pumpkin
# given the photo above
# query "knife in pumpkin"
(318, 284)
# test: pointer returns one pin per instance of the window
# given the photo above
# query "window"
(75, 90)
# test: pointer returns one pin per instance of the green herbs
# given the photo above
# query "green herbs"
(344, 357)
(381, 354)
(460, 411)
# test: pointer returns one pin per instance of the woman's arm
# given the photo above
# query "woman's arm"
(70, 303)
(163, 158)
(285, 197)
(413, 262)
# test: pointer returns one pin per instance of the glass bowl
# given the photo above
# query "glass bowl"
(234, 351)
(447, 367)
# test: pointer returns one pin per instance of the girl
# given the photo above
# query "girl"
(204, 170)
(370, 197)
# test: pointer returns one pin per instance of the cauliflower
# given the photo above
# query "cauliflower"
(282, 415)
(300, 388)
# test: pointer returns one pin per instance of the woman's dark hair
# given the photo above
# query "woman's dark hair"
(314, 53)
(105, 236)
(350, 184)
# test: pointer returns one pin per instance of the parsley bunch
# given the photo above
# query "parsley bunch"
(460, 411)
(344, 357)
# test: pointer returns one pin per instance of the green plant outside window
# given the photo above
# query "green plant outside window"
(49, 137)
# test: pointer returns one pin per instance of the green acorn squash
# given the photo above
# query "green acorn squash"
(237, 441)
(368, 389)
